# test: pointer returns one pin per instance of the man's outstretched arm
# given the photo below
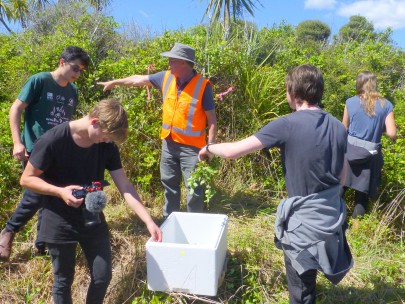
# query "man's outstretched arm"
(131, 81)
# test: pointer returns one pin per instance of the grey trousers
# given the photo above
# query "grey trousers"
(179, 161)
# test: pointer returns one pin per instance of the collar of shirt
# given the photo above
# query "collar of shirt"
(181, 85)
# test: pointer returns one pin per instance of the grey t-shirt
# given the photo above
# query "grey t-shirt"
(208, 96)
(312, 144)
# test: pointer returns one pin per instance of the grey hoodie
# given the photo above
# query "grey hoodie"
(311, 232)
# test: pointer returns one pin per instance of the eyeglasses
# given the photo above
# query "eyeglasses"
(173, 60)
(75, 68)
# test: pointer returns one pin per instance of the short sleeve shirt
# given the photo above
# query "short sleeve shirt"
(208, 95)
(49, 105)
(64, 163)
(312, 145)
(367, 127)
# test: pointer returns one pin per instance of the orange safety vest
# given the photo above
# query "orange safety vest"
(183, 115)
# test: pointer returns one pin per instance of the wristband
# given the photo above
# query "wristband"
(207, 146)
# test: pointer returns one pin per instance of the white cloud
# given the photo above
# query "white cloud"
(320, 4)
(382, 13)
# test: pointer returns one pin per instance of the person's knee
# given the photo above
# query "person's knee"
(171, 182)
(106, 279)
(102, 277)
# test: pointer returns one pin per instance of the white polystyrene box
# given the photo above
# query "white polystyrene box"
(191, 256)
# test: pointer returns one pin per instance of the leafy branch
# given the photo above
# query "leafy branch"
(203, 175)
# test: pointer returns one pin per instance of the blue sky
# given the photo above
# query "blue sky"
(159, 15)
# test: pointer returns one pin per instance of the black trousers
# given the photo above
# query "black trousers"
(361, 201)
(301, 288)
(98, 256)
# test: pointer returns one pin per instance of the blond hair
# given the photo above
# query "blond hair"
(112, 118)
(366, 89)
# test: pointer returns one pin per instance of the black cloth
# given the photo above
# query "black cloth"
(357, 155)
(98, 256)
(64, 163)
(312, 149)
(360, 201)
(366, 177)
(300, 287)
(365, 162)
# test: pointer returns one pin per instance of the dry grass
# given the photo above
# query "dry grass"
(255, 270)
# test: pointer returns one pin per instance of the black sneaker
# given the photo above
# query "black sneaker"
(40, 249)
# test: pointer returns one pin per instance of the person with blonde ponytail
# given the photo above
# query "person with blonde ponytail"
(366, 117)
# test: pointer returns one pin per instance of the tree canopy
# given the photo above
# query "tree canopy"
(229, 8)
(312, 30)
(357, 29)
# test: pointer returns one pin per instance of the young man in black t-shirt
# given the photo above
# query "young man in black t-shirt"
(72, 154)
(312, 145)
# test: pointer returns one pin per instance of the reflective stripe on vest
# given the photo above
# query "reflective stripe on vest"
(168, 82)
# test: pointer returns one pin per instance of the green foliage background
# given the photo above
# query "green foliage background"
(253, 62)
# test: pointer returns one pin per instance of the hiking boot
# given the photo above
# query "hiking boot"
(6, 241)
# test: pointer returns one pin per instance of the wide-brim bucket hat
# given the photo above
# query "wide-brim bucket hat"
(181, 51)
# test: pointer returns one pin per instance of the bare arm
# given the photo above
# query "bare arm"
(346, 119)
(391, 129)
(132, 198)
(134, 80)
(16, 110)
(232, 150)
(212, 125)
(31, 179)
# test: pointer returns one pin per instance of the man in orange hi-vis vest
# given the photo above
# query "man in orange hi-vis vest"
(188, 115)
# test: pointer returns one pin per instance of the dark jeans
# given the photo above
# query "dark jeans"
(98, 256)
(301, 288)
(177, 161)
(360, 200)
(30, 203)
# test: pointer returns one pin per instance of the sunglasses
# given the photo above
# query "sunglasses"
(75, 68)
